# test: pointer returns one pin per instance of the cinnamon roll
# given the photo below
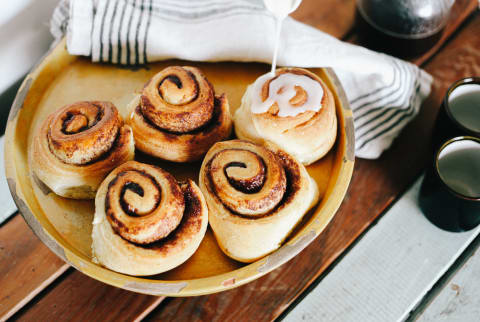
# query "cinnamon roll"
(256, 195)
(178, 117)
(145, 221)
(293, 109)
(78, 145)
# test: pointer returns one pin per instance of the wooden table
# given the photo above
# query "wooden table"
(36, 285)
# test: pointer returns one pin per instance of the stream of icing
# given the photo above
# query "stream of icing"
(280, 10)
(278, 30)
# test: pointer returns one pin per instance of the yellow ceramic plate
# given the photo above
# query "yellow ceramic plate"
(64, 225)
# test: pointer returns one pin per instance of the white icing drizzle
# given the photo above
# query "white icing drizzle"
(280, 10)
(279, 22)
(287, 81)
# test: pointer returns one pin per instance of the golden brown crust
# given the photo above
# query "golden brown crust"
(178, 117)
(178, 99)
(249, 179)
(143, 203)
(191, 224)
(185, 224)
(82, 132)
(256, 195)
(72, 158)
(308, 136)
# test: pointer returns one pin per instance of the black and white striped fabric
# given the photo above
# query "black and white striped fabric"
(385, 93)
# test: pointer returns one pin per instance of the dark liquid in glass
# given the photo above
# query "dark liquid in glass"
(373, 38)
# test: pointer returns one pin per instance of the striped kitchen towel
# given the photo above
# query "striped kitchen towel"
(385, 93)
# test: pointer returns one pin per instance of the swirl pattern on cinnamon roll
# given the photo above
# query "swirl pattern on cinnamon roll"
(256, 196)
(78, 145)
(178, 117)
(145, 221)
(293, 109)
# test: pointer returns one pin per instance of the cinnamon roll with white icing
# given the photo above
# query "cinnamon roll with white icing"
(293, 109)
(78, 145)
(256, 195)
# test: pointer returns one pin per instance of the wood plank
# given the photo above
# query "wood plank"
(26, 266)
(335, 17)
(389, 270)
(375, 185)
(458, 300)
(81, 298)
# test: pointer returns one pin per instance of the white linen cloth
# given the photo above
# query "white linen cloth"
(385, 93)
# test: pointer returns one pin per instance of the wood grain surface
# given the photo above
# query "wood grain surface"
(26, 266)
(375, 185)
(335, 17)
(77, 297)
(458, 300)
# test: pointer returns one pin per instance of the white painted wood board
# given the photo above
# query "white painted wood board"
(459, 300)
(7, 206)
(387, 273)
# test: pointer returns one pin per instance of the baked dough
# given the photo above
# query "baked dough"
(78, 145)
(145, 222)
(308, 136)
(256, 196)
(178, 117)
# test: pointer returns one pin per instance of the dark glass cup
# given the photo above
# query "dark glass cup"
(459, 113)
(450, 192)
(403, 28)
(395, 45)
